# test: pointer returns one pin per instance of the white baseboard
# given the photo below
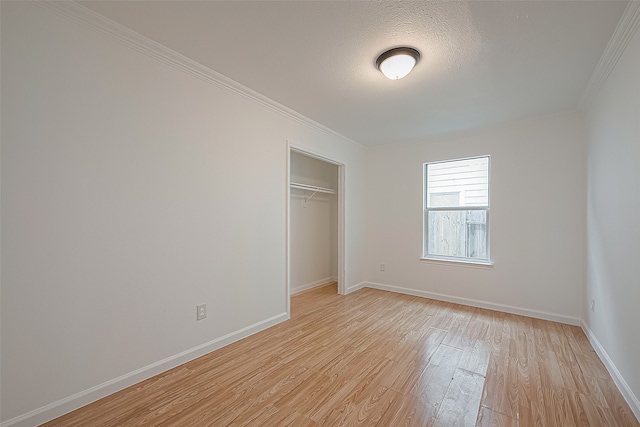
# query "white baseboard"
(560, 318)
(71, 403)
(622, 385)
(307, 286)
(355, 287)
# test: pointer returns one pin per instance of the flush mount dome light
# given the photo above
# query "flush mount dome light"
(397, 62)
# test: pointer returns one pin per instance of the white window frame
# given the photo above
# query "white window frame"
(425, 217)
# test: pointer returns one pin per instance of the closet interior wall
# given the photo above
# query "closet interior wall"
(313, 223)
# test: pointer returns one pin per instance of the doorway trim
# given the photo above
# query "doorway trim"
(340, 194)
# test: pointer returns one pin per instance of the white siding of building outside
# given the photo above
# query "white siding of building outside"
(469, 178)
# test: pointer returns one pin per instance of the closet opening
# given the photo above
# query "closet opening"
(315, 222)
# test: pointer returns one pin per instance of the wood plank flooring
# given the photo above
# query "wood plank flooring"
(385, 359)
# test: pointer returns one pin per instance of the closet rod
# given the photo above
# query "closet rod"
(313, 188)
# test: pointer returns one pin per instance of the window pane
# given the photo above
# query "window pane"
(438, 200)
(457, 233)
(468, 179)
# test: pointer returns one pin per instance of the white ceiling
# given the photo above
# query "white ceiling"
(483, 62)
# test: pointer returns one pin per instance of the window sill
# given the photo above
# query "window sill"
(458, 262)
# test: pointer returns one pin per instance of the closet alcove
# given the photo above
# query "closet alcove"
(313, 222)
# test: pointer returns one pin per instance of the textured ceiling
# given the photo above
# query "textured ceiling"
(484, 62)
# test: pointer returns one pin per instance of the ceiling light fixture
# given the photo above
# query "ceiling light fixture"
(397, 62)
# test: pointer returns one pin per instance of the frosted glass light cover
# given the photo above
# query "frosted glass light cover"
(397, 66)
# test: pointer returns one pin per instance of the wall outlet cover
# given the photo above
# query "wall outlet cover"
(201, 311)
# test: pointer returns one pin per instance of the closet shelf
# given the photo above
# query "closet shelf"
(313, 188)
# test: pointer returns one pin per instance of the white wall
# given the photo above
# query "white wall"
(132, 191)
(538, 191)
(313, 224)
(613, 219)
(312, 171)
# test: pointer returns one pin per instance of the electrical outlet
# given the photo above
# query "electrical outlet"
(381, 267)
(201, 311)
(593, 305)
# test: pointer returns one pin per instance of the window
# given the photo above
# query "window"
(456, 210)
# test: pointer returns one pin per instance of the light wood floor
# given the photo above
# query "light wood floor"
(379, 358)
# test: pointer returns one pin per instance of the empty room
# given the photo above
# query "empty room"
(306, 213)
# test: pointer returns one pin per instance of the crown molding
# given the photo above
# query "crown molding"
(627, 27)
(118, 32)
